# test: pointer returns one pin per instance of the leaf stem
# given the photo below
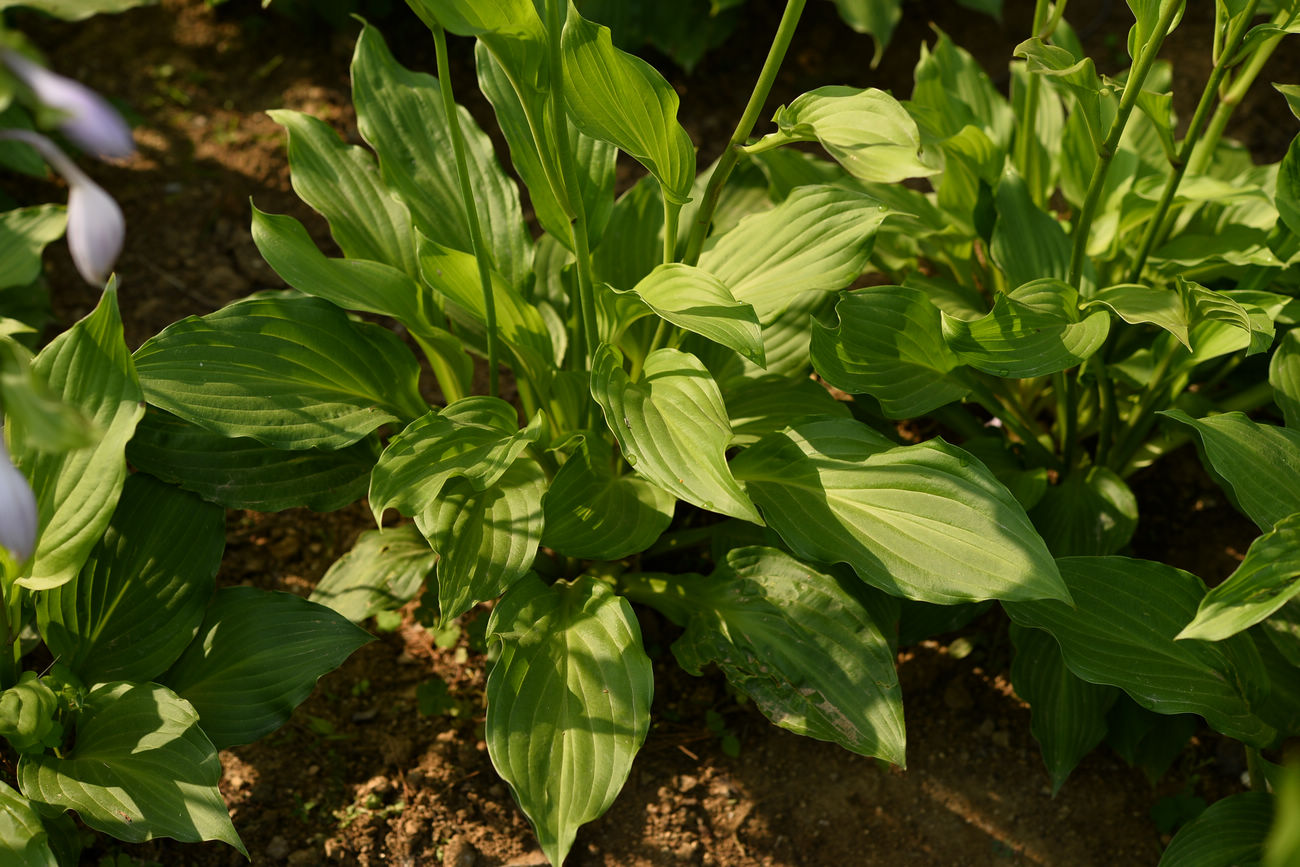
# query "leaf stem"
(578, 227)
(1156, 228)
(1106, 152)
(482, 255)
(727, 162)
(1029, 119)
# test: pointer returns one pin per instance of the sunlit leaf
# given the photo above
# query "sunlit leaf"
(925, 522)
(381, 572)
(568, 702)
(23, 839)
(694, 299)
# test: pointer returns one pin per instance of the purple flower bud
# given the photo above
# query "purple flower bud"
(17, 510)
(96, 227)
(90, 123)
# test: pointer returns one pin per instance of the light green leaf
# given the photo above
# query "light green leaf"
(594, 160)
(256, 657)
(1071, 75)
(241, 473)
(141, 768)
(889, 344)
(140, 597)
(1033, 330)
(1284, 376)
(1067, 715)
(342, 183)
(633, 244)
(382, 572)
(618, 98)
(956, 92)
(400, 115)
(511, 29)
(486, 539)
(767, 404)
(877, 17)
(1121, 632)
(89, 368)
(568, 702)
(798, 643)
(76, 10)
(23, 839)
(867, 132)
(925, 522)
(593, 514)
(1288, 187)
(672, 427)
(819, 238)
(1088, 513)
(1228, 833)
(1159, 109)
(476, 438)
(1137, 304)
(454, 274)
(1265, 580)
(1282, 847)
(1291, 93)
(693, 299)
(288, 371)
(1259, 463)
(24, 232)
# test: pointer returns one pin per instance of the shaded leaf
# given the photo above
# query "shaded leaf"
(381, 572)
(23, 839)
(1231, 831)
(1089, 513)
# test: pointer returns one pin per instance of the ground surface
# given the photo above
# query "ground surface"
(360, 775)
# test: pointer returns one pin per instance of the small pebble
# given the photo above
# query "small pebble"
(278, 848)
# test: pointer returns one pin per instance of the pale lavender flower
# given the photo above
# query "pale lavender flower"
(17, 509)
(90, 122)
(96, 227)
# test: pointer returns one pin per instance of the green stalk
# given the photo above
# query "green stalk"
(1029, 121)
(1157, 228)
(1058, 12)
(1106, 403)
(481, 252)
(1106, 152)
(985, 398)
(569, 180)
(1229, 101)
(1255, 767)
(727, 162)
(1141, 419)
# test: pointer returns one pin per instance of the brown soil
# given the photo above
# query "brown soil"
(359, 775)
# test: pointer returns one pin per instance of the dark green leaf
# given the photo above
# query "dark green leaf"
(382, 571)
(1229, 833)
(1089, 513)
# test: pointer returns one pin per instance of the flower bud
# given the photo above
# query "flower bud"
(17, 510)
(96, 227)
(90, 122)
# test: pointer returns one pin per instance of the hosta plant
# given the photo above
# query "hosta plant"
(619, 410)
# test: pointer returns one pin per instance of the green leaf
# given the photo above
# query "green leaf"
(1283, 844)
(476, 438)
(520, 326)
(511, 29)
(889, 344)
(618, 98)
(1121, 632)
(1147, 740)
(23, 839)
(593, 514)
(819, 238)
(867, 132)
(1033, 330)
(672, 427)
(568, 702)
(1291, 93)
(877, 17)
(400, 115)
(1071, 75)
(594, 160)
(765, 405)
(798, 643)
(256, 657)
(382, 571)
(288, 371)
(925, 522)
(486, 539)
(1284, 376)
(89, 368)
(241, 473)
(1090, 513)
(1207, 323)
(1229, 832)
(1265, 580)
(1028, 243)
(956, 92)
(1067, 715)
(29, 715)
(633, 244)
(342, 183)
(24, 232)
(141, 769)
(693, 299)
(1258, 463)
(1137, 304)
(140, 597)
(76, 10)
(1288, 187)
